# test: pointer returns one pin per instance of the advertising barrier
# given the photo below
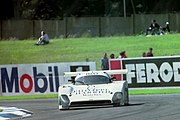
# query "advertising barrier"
(149, 71)
(37, 78)
(0, 89)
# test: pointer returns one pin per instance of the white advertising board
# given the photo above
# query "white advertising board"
(25, 79)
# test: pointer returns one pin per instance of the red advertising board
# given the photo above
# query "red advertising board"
(115, 64)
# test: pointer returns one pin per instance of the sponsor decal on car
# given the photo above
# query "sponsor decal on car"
(91, 91)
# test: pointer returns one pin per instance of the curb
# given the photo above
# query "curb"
(7, 113)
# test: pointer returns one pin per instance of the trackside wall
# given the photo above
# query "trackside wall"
(149, 71)
(115, 26)
(0, 89)
(142, 22)
(54, 28)
(0, 29)
(175, 22)
(27, 79)
(82, 26)
(85, 26)
(17, 29)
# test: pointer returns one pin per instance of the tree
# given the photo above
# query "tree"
(48, 9)
(57, 9)
(83, 7)
(41, 9)
(6, 9)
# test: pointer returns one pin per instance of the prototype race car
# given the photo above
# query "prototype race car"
(93, 88)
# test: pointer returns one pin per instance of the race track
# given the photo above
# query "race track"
(142, 107)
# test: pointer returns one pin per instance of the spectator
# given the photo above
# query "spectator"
(166, 28)
(44, 39)
(149, 53)
(105, 62)
(154, 28)
(143, 54)
(123, 54)
(112, 56)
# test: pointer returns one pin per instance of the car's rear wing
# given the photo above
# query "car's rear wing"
(110, 72)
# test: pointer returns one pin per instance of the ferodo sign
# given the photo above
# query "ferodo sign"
(150, 71)
(37, 78)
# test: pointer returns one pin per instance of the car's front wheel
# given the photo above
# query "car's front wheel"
(64, 108)
(126, 97)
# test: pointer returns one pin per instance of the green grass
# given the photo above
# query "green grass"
(155, 91)
(78, 49)
(22, 97)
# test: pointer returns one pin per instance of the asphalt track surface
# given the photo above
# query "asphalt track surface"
(142, 107)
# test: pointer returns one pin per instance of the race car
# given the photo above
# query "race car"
(93, 88)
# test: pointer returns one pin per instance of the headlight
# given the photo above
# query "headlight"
(64, 100)
(66, 90)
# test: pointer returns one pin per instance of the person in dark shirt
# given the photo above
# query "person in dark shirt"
(149, 53)
(105, 62)
(123, 54)
(153, 29)
(166, 28)
(112, 56)
(143, 54)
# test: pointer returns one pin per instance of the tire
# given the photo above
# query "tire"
(126, 101)
(64, 108)
(116, 105)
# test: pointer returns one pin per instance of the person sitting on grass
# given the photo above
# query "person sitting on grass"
(153, 29)
(166, 28)
(44, 39)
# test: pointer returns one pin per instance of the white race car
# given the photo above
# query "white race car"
(93, 88)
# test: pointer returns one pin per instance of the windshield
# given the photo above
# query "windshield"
(92, 79)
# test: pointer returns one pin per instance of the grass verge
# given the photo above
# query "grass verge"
(131, 92)
(81, 49)
(154, 91)
(22, 97)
